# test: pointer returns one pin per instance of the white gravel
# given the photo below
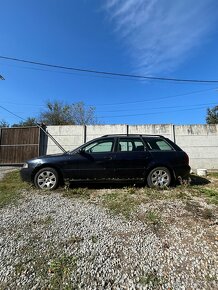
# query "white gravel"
(52, 242)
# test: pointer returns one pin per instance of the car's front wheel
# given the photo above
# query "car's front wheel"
(46, 178)
(159, 177)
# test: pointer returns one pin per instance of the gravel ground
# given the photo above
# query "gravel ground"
(52, 242)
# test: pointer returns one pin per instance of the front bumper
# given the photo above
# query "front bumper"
(26, 174)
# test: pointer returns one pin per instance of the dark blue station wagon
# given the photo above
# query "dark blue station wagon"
(153, 159)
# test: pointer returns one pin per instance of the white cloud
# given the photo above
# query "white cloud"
(160, 34)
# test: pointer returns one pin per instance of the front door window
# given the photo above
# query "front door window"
(99, 146)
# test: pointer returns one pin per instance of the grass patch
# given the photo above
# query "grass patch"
(44, 221)
(151, 279)
(130, 189)
(121, 203)
(10, 188)
(213, 174)
(209, 194)
(60, 270)
(154, 218)
(76, 192)
(180, 192)
(125, 201)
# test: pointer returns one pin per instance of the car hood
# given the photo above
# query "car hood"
(43, 158)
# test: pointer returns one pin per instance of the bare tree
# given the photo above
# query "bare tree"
(30, 121)
(58, 113)
(82, 115)
(4, 124)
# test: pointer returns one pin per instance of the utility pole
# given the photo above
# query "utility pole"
(2, 78)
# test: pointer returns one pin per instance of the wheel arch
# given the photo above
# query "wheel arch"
(160, 164)
(50, 165)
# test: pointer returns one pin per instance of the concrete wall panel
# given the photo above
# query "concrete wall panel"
(101, 130)
(69, 137)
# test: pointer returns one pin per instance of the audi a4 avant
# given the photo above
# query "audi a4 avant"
(153, 159)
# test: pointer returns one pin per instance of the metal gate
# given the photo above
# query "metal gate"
(19, 144)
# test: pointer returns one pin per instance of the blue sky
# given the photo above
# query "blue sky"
(175, 39)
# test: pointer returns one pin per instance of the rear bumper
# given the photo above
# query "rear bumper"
(182, 171)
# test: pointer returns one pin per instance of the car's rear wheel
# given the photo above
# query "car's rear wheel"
(159, 177)
(46, 178)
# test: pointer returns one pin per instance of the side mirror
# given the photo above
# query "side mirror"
(81, 151)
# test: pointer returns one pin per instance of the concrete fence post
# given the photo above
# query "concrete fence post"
(84, 134)
(127, 129)
(173, 133)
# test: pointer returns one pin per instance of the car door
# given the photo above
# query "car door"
(131, 158)
(97, 160)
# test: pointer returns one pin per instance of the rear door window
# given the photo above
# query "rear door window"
(130, 145)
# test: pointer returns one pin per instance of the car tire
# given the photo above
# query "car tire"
(159, 177)
(46, 178)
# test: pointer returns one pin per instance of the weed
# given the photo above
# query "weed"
(60, 270)
(207, 213)
(94, 239)
(154, 219)
(75, 239)
(45, 221)
(198, 211)
(181, 194)
(10, 188)
(130, 190)
(76, 192)
(186, 182)
(19, 268)
(158, 194)
(151, 279)
(153, 193)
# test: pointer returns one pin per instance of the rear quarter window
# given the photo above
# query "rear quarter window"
(159, 145)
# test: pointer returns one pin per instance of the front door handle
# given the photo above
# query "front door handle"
(108, 158)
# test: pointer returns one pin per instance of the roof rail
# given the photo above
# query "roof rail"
(141, 135)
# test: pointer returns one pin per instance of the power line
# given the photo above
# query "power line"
(72, 73)
(158, 99)
(23, 104)
(108, 73)
(153, 113)
(157, 108)
(124, 103)
(12, 113)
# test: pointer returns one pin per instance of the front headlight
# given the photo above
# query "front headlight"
(25, 165)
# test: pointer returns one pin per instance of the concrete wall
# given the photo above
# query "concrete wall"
(201, 144)
(199, 141)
